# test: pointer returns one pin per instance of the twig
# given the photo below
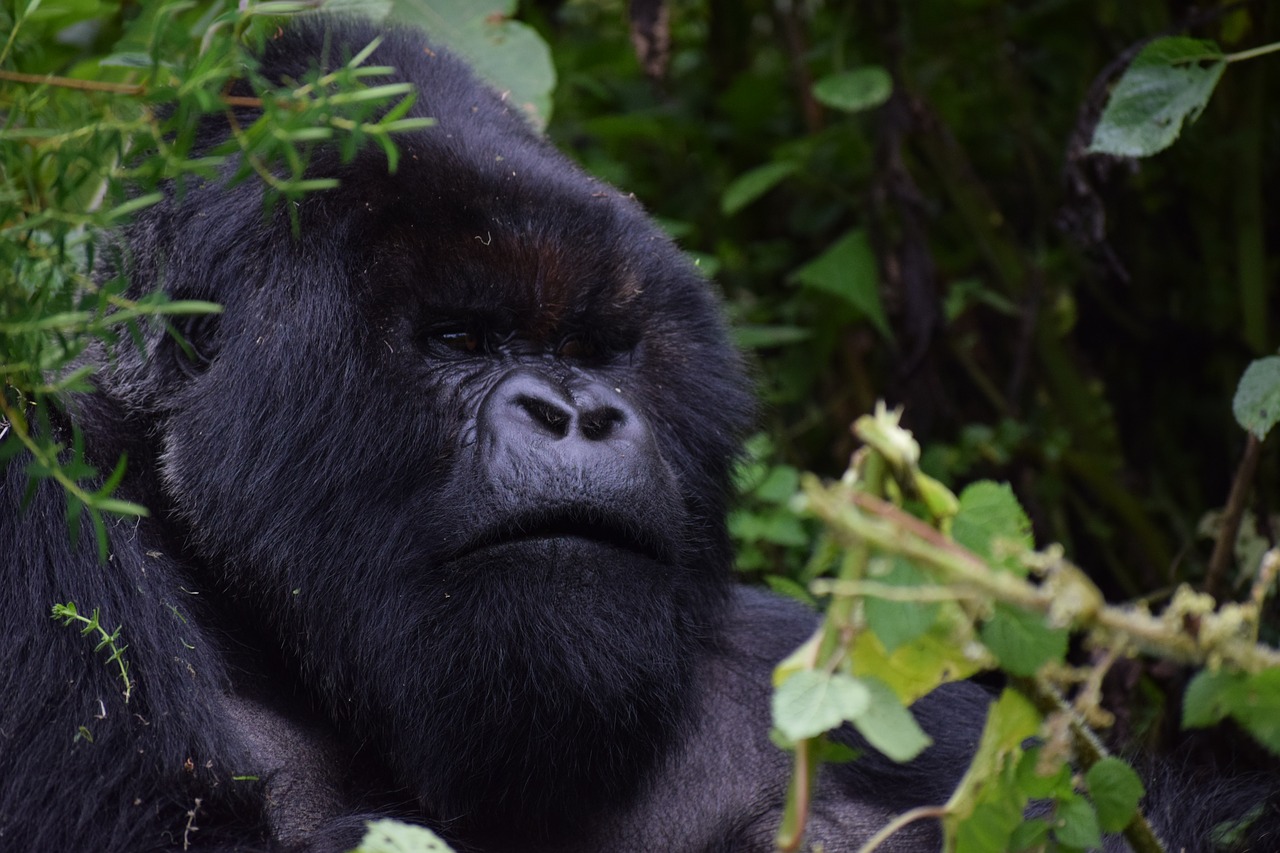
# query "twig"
(127, 89)
(918, 813)
(1225, 546)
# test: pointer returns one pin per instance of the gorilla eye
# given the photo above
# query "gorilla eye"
(576, 347)
(461, 340)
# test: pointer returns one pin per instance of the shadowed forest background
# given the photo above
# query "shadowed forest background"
(1075, 325)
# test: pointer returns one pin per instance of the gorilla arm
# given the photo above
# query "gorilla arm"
(725, 787)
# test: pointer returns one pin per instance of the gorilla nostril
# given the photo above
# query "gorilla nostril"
(601, 423)
(551, 416)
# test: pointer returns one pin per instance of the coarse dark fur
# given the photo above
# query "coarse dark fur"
(437, 530)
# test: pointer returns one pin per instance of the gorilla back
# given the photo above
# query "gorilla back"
(437, 528)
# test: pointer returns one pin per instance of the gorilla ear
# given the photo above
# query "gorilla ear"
(195, 342)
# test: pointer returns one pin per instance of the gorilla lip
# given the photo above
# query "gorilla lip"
(579, 524)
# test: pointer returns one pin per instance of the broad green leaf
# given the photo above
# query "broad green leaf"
(848, 271)
(1031, 835)
(781, 484)
(374, 10)
(856, 90)
(990, 827)
(897, 623)
(1053, 786)
(1205, 701)
(1257, 401)
(986, 806)
(1255, 704)
(392, 836)
(1253, 701)
(888, 725)
(749, 186)
(1022, 641)
(1166, 85)
(509, 54)
(1076, 824)
(1116, 790)
(944, 653)
(779, 526)
(810, 703)
(992, 524)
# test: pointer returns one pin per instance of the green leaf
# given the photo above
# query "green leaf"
(1253, 701)
(1257, 401)
(897, 623)
(1032, 834)
(392, 836)
(809, 703)
(509, 54)
(856, 90)
(1255, 704)
(1205, 701)
(374, 10)
(1022, 641)
(986, 807)
(749, 186)
(990, 827)
(119, 507)
(1053, 786)
(781, 484)
(848, 271)
(1116, 790)
(1166, 85)
(779, 526)
(1076, 824)
(943, 653)
(992, 524)
(765, 337)
(888, 725)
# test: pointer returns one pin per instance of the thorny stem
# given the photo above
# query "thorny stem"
(1089, 750)
(862, 519)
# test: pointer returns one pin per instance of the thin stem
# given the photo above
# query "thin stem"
(1229, 525)
(1253, 52)
(127, 89)
(918, 813)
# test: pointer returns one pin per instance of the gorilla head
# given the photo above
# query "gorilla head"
(460, 448)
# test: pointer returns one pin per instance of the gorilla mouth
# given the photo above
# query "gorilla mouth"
(575, 524)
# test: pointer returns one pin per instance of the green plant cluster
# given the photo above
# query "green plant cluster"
(925, 587)
(101, 103)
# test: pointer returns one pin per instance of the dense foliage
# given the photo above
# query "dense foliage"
(902, 201)
(932, 203)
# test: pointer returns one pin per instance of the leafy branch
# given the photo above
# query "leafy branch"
(111, 641)
(929, 587)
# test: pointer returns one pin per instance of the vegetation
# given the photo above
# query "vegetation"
(936, 204)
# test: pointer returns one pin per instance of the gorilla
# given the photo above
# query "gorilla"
(437, 529)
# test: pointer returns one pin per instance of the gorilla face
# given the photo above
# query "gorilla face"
(463, 445)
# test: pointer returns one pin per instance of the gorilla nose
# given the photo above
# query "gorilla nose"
(560, 419)
(529, 407)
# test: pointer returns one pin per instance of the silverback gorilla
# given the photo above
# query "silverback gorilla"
(436, 533)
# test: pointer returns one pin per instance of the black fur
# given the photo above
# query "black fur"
(437, 530)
